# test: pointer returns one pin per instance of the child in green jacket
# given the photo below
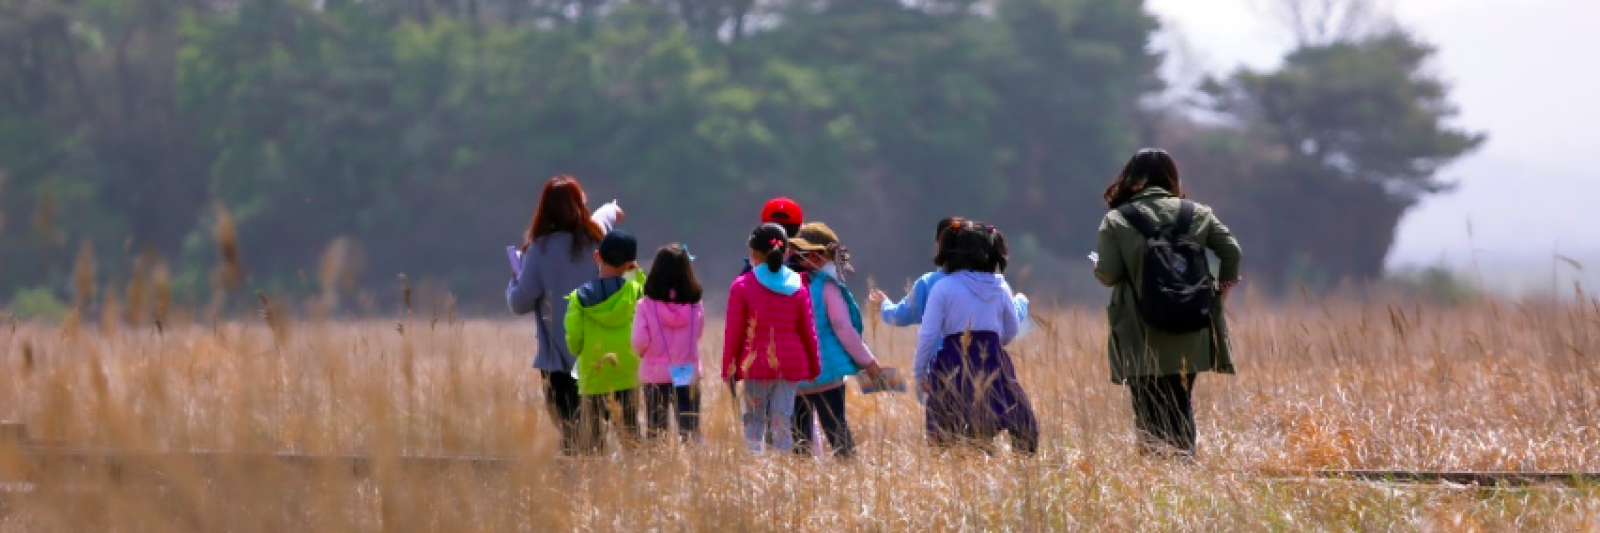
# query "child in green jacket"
(599, 326)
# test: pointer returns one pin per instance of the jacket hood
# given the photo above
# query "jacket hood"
(984, 286)
(608, 301)
(785, 281)
(1151, 192)
(674, 316)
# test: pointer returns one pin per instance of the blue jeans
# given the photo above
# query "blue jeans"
(769, 414)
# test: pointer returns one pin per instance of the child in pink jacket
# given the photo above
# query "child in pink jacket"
(770, 340)
(667, 325)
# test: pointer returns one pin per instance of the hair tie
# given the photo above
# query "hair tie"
(775, 243)
(672, 294)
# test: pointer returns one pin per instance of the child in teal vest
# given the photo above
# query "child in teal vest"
(843, 351)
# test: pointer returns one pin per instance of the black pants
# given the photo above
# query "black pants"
(1164, 412)
(561, 398)
(661, 399)
(620, 408)
(828, 407)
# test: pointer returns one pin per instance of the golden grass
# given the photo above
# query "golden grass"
(1346, 385)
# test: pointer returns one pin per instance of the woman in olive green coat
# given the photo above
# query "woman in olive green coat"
(1159, 367)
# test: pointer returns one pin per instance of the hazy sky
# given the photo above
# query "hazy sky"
(1522, 70)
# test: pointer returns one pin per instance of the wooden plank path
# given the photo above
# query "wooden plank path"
(44, 461)
(116, 463)
(1503, 479)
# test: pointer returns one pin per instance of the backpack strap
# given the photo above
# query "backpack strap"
(1138, 220)
(1180, 227)
(1144, 226)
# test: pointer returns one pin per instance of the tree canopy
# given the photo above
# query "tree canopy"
(416, 134)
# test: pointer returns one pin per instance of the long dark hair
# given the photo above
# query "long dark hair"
(562, 210)
(671, 278)
(772, 241)
(1150, 167)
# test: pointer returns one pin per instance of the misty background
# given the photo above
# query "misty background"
(1511, 69)
(206, 150)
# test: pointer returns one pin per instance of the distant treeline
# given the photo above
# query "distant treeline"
(382, 137)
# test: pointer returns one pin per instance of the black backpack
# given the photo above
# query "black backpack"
(1176, 293)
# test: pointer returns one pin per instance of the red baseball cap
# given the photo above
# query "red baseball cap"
(782, 210)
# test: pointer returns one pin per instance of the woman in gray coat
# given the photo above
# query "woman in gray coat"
(557, 258)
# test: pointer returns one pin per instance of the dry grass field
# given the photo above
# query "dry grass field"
(1340, 385)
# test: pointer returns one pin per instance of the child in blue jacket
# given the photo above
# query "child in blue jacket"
(908, 312)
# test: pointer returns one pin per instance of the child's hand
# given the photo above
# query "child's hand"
(877, 296)
(874, 371)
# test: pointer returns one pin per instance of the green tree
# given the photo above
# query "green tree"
(1361, 126)
(88, 133)
(1071, 77)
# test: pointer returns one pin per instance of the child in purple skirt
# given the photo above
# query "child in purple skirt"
(962, 368)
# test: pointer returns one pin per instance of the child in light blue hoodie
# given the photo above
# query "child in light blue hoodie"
(962, 367)
(908, 312)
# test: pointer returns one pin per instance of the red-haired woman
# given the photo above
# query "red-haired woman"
(557, 252)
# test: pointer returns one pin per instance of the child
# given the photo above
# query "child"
(786, 213)
(770, 342)
(843, 352)
(961, 365)
(598, 323)
(908, 312)
(666, 334)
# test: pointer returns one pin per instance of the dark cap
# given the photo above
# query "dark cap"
(619, 248)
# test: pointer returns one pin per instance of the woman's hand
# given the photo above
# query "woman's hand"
(1227, 288)
(877, 296)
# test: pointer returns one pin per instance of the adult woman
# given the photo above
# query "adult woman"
(557, 252)
(1159, 365)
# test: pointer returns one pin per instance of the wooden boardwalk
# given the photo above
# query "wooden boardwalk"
(43, 462)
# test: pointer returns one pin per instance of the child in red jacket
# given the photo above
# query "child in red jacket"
(770, 340)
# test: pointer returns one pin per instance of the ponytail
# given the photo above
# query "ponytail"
(772, 241)
(775, 259)
(999, 254)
